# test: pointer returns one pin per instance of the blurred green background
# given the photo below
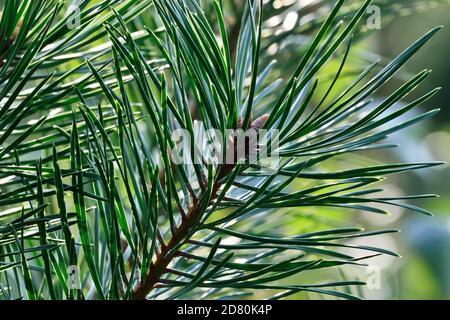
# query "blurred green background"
(424, 270)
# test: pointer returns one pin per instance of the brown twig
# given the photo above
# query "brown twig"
(159, 267)
(180, 233)
(9, 42)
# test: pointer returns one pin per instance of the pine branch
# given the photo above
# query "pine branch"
(103, 105)
(168, 253)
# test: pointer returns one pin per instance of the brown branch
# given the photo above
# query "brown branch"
(159, 267)
(9, 42)
(169, 252)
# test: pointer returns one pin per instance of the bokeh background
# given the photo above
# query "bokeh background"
(424, 270)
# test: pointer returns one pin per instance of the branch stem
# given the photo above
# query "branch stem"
(167, 254)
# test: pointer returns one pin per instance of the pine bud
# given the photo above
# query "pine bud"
(260, 122)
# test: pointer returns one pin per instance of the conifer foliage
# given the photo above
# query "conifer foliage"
(93, 96)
